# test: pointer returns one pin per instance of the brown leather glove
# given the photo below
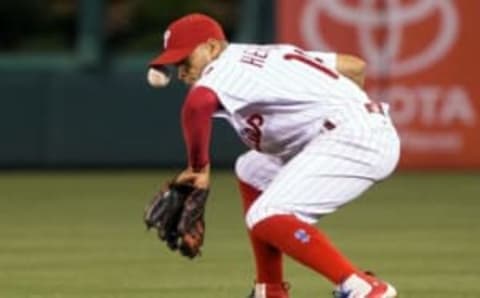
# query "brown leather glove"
(177, 213)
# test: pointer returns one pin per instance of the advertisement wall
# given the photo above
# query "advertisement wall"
(422, 60)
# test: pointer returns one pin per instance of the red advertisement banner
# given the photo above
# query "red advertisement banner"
(421, 57)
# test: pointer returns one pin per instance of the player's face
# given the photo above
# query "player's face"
(190, 69)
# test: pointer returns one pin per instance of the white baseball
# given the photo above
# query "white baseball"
(158, 78)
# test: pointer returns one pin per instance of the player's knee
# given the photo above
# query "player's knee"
(260, 211)
(244, 167)
(256, 169)
(251, 217)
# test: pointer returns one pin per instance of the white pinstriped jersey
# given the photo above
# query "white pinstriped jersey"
(278, 97)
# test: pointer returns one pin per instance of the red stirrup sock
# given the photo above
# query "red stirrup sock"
(268, 259)
(306, 244)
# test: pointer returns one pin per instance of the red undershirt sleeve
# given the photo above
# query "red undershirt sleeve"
(197, 112)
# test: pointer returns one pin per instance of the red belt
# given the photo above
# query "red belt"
(374, 108)
(371, 107)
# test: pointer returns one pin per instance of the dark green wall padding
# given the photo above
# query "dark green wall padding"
(71, 118)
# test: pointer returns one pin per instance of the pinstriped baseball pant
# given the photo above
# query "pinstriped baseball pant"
(336, 167)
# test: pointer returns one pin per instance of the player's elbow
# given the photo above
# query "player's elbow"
(352, 67)
(358, 73)
(355, 66)
(359, 67)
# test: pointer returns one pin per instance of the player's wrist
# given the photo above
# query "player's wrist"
(199, 178)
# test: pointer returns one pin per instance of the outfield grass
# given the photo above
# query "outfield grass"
(68, 235)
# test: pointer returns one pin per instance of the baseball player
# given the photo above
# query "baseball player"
(317, 142)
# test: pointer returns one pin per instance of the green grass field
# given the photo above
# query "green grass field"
(67, 234)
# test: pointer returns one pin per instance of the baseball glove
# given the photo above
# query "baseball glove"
(177, 213)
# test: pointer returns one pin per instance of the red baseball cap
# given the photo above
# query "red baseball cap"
(184, 35)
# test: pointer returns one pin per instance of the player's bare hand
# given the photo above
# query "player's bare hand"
(199, 178)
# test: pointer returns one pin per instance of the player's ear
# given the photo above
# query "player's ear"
(211, 44)
(215, 46)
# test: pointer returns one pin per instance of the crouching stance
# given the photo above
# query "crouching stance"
(316, 143)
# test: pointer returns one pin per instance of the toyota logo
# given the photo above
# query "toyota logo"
(365, 17)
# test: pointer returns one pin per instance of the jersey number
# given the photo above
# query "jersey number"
(313, 62)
